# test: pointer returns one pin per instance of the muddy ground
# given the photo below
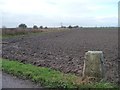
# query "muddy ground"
(65, 50)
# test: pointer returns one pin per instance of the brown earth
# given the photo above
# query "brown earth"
(65, 50)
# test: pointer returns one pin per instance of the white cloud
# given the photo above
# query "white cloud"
(52, 12)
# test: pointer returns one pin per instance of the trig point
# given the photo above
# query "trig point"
(94, 64)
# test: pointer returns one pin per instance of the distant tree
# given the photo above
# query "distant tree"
(76, 26)
(35, 27)
(63, 26)
(41, 27)
(3, 27)
(46, 27)
(69, 26)
(23, 26)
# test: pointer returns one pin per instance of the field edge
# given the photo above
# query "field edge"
(48, 77)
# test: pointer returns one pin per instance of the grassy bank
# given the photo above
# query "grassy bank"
(47, 77)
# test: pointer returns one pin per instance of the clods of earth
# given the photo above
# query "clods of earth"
(65, 50)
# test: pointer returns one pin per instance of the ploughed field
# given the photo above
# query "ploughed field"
(65, 50)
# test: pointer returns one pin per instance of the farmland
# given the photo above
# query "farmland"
(65, 50)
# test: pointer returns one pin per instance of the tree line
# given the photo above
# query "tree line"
(41, 27)
(24, 26)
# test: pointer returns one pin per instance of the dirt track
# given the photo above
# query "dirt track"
(65, 50)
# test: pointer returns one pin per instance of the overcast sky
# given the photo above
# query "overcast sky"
(53, 12)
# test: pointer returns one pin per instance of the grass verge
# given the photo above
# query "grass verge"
(5, 36)
(17, 33)
(47, 77)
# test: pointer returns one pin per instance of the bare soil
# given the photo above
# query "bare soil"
(65, 50)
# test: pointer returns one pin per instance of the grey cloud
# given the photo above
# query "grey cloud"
(70, 12)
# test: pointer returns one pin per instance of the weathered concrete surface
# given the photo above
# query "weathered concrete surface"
(93, 64)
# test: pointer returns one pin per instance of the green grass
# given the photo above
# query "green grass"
(9, 36)
(14, 34)
(47, 77)
(5, 36)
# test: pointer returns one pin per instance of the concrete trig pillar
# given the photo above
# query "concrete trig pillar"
(94, 65)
